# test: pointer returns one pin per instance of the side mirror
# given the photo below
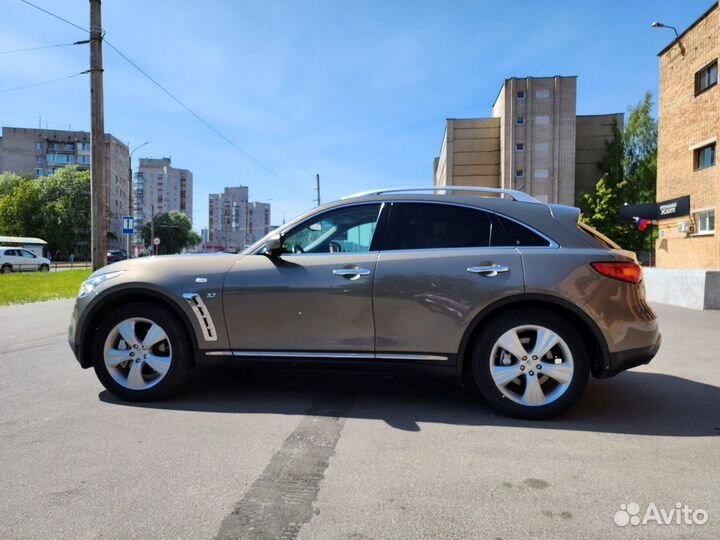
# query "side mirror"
(273, 245)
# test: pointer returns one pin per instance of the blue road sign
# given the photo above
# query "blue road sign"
(128, 225)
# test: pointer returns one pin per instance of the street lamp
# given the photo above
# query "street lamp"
(130, 204)
(657, 24)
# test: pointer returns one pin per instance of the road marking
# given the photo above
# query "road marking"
(280, 501)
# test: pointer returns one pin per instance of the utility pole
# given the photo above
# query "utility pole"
(98, 186)
(152, 228)
(317, 183)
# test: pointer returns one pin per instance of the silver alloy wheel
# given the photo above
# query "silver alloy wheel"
(531, 365)
(137, 353)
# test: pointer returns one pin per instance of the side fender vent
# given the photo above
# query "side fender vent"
(202, 314)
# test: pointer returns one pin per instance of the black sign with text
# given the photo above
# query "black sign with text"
(662, 210)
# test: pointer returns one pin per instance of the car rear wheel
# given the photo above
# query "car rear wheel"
(142, 353)
(530, 364)
(44, 268)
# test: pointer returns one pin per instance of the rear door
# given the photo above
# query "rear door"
(436, 271)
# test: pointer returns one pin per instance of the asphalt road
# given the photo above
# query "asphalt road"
(341, 455)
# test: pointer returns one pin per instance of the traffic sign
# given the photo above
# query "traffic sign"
(128, 227)
(156, 241)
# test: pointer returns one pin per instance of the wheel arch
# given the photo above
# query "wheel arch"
(121, 297)
(586, 327)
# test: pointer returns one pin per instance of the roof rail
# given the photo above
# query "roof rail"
(513, 194)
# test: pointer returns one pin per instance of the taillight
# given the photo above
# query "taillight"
(624, 271)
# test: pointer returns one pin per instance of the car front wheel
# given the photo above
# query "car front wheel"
(141, 353)
(530, 364)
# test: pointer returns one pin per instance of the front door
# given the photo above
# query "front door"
(316, 296)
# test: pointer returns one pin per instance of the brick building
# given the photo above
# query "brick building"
(689, 126)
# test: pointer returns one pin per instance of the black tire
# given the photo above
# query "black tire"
(481, 357)
(182, 353)
(44, 268)
(6, 269)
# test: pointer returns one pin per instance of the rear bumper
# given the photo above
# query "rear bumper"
(624, 360)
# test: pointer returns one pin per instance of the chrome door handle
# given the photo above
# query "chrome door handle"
(488, 271)
(351, 272)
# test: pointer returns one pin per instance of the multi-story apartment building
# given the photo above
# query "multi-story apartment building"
(228, 217)
(259, 221)
(533, 142)
(41, 152)
(234, 221)
(160, 188)
(688, 131)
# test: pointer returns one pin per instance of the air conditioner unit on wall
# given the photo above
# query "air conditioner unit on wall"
(684, 227)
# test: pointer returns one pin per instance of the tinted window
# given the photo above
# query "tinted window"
(26, 254)
(429, 226)
(348, 229)
(507, 232)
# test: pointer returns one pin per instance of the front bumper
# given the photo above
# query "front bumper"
(624, 360)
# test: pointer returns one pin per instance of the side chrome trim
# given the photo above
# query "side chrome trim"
(202, 314)
(350, 356)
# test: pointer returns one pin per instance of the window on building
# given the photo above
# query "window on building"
(69, 147)
(543, 93)
(542, 147)
(40, 146)
(519, 173)
(705, 156)
(85, 147)
(542, 120)
(706, 77)
(39, 159)
(520, 120)
(520, 147)
(38, 172)
(521, 94)
(541, 173)
(705, 221)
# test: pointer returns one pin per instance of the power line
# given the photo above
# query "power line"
(44, 47)
(44, 82)
(196, 115)
(56, 16)
(165, 90)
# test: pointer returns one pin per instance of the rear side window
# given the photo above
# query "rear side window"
(507, 232)
(433, 226)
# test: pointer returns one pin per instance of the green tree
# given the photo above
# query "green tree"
(630, 172)
(55, 208)
(66, 211)
(20, 206)
(175, 232)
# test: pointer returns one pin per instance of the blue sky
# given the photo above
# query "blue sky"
(356, 91)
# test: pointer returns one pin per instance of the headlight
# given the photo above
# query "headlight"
(89, 284)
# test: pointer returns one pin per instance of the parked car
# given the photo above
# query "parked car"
(14, 259)
(513, 294)
(115, 255)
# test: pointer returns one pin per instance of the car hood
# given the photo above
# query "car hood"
(171, 265)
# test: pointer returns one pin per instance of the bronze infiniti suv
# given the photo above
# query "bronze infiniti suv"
(484, 283)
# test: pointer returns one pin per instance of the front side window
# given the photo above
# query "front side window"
(25, 253)
(435, 226)
(345, 230)
(705, 221)
(705, 156)
(706, 77)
